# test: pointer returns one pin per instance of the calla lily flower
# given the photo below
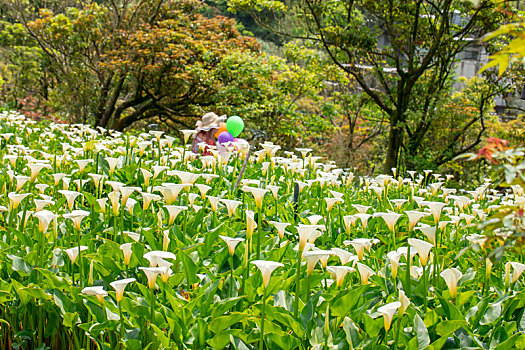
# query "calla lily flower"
(82, 163)
(170, 192)
(231, 243)
(389, 218)
(173, 212)
(41, 187)
(158, 169)
(214, 201)
(303, 151)
(35, 170)
(518, 270)
(280, 227)
(146, 175)
(394, 257)
(364, 218)
(423, 249)
(399, 202)
(119, 287)
(405, 302)
(72, 253)
(258, 194)
(114, 198)
(452, 277)
(325, 256)
(44, 219)
(429, 232)
(330, 202)
(468, 218)
(359, 245)
(11, 158)
(339, 272)
(365, 272)
(349, 221)
(97, 291)
(413, 218)
(314, 219)
(16, 198)
(251, 225)
(388, 312)
(435, 209)
(102, 204)
(154, 257)
(126, 251)
(21, 180)
(203, 189)
(187, 134)
(96, 179)
(344, 256)
(41, 203)
(126, 192)
(147, 198)
(115, 185)
(185, 177)
(312, 257)
(361, 208)
(112, 163)
(151, 274)
(166, 266)
(130, 205)
(231, 205)
(307, 233)
(76, 216)
(70, 197)
(274, 190)
(266, 268)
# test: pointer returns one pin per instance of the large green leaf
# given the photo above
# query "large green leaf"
(423, 340)
(221, 323)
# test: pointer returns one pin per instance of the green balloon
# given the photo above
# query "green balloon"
(235, 125)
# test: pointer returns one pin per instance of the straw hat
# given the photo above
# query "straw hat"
(209, 121)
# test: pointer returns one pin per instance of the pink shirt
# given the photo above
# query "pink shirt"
(201, 137)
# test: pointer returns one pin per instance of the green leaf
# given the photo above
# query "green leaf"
(220, 340)
(511, 343)
(345, 304)
(446, 327)
(161, 336)
(492, 314)
(27, 294)
(423, 340)
(221, 323)
(352, 333)
(71, 319)
(450, 309)
(20, 265)
(277, 314)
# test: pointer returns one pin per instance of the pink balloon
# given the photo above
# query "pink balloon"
(240, 141)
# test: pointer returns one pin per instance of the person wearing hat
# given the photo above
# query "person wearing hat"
(206, 129)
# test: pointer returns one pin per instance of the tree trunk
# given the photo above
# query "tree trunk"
(394, 143)
(110, 107)
(138, 114)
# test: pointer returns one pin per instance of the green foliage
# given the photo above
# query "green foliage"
(401, 54)
(206, 297)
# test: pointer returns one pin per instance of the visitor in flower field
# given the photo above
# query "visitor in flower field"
(206, 129)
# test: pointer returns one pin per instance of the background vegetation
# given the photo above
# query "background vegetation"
(384, 96)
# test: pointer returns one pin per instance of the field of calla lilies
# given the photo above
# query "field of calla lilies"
(134, 242)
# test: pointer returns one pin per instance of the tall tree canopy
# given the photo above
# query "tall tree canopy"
(124, 61)
(401, 53)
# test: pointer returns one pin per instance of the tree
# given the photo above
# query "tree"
(124, 61)
(401, 53)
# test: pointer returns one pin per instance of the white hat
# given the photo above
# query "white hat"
(209, 121)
